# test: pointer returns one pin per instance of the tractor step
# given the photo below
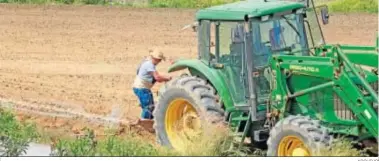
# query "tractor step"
(239, 138)
(238, 134)
(242, 118)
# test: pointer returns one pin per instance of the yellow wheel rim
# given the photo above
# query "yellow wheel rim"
(292, 146)
(181, 123)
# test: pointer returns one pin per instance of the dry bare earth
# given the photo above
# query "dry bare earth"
(83, 59)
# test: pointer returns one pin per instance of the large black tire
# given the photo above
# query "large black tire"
(305, 130)
(197, 92)
(170, 83)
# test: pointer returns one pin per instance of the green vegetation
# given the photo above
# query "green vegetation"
(92, 2)
(14, 136)
(348, 6)
(133, 145)
(88, 145)
(342, 146)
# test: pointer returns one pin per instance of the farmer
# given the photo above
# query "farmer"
(146, 77)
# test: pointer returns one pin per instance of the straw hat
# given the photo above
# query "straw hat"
(157, 54)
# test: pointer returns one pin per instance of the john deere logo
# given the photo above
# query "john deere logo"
(304, 68)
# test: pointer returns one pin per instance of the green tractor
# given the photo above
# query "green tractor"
(264, 68)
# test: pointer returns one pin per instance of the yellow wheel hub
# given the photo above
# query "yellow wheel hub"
(181, 123)
(292, 146)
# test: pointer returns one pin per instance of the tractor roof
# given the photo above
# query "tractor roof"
(253, 8)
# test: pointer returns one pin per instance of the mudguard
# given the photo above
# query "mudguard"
(202, 70)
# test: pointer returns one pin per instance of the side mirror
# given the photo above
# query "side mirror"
(193, 26)
(325, 15)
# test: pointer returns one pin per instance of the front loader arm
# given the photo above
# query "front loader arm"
(334, 72)
(360, 104)
(362, 55)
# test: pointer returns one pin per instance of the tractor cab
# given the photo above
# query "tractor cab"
(239, 39)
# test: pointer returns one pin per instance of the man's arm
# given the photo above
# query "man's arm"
(161, 78)
(150, 69)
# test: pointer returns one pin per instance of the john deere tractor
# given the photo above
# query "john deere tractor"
(264, 68)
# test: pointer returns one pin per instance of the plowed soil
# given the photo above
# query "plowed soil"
(84, 58)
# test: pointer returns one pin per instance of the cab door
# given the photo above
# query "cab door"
(231, 50)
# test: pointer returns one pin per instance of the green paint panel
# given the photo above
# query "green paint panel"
(369, 59)
(354, 47)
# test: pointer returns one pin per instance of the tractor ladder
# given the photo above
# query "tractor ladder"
(238, 137)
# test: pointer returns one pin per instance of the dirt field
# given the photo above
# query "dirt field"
(83, 59)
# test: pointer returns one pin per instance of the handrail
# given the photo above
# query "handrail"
(350, 65)
(354, 47)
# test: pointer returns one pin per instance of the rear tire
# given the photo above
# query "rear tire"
(298, 131)
(190, 93)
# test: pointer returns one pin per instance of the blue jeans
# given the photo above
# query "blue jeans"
(145, 97)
